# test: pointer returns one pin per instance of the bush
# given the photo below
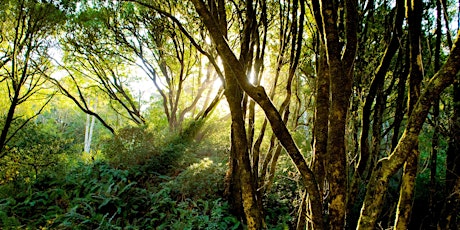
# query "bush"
(32, 151)
(201, 180)
(137, 149)
(282, 201)
(129, 147)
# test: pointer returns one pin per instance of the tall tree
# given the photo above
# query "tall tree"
(341, 75)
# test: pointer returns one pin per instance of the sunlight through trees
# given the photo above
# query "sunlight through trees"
(249, 114)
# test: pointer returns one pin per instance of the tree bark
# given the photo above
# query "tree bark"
(341, 75)
(242, 180)
(320, 128)
(449, 215)
(406, 194)
(435, 139)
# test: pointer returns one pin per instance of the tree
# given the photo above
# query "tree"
(338, 24)
(26, 39)
(137, 40)
(168, 58)
(95, 65)
(388, 166)
(414, 16)
(341, 75)
(237, 76)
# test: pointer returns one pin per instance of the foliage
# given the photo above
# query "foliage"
(130, 146)
(34, 148)
(282, 201)
(200, 180)
(139, 146)
(96, 195)
(99, 196)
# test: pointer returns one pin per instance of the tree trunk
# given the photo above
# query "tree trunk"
(320, 128)
(302, 215)
(8, 122)
(435, 139)
(89, 127)
(407, 191)
(242, 180)
(400, 99)
(449, 215)
(243, 186)
(406, 196)
(341, 73)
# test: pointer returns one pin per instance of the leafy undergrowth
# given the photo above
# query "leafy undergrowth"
(144, 182)
(98, 196)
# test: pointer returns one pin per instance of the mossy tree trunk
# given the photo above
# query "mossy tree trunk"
(341, 75)
(320, 127)
(388, 166)
(407, 191)
(449, 215)
(242, 180)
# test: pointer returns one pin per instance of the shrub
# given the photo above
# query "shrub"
(129, 147)
(137, 149)
(32, 151)
(201, 180)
